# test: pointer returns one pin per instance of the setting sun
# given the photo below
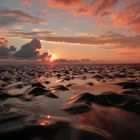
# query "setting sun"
(53, 57)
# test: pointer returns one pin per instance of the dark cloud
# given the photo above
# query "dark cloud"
(12, 48)
(29, 50)
(45, 56)
(5, 51)
(11, 17)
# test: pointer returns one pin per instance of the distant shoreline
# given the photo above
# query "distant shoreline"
(5, 61)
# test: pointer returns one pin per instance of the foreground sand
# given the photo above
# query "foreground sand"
(70, 102)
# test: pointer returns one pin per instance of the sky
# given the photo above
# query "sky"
(100, 30)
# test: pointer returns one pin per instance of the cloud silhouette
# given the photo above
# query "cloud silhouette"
(12, 48)
(29, 50)
(45, 56)
(5, 51)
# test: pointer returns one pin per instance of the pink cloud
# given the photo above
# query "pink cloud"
(26, 2)
(128, 17)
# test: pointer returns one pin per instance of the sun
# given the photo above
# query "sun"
(49, 57)
(53, 57)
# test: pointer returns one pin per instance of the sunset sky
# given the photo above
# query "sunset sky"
(100, 30)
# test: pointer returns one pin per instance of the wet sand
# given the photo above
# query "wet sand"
(73, 102)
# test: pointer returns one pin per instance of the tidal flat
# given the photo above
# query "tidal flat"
(70, 101)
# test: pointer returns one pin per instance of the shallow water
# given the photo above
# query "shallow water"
(51, 115)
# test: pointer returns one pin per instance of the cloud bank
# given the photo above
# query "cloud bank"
(108, 41)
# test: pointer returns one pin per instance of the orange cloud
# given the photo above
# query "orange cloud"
(126, 17)
(124, 13)
(84, 7)
(64, 3)
(129, 17)
(104, 7)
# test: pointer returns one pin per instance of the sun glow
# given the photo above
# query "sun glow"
(53, 57)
